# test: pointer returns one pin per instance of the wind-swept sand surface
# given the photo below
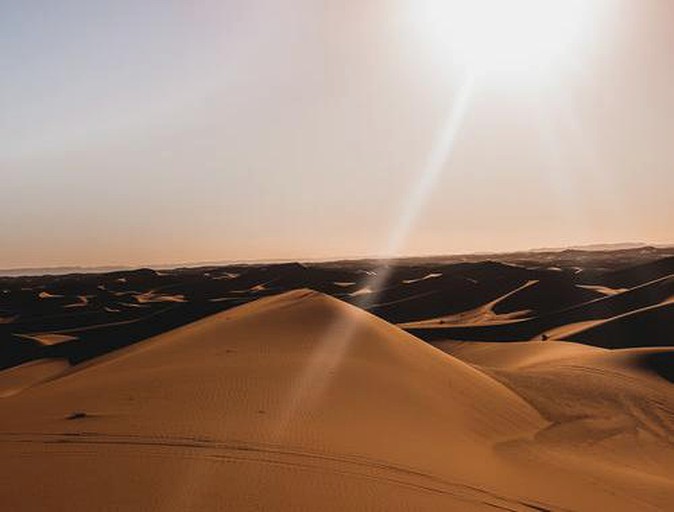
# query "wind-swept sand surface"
(14, 380)
(303, 402)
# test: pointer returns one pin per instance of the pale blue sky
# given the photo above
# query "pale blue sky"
(174, 131)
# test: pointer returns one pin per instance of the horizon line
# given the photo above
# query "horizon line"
(73, 269)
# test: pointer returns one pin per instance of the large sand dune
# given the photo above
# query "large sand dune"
(303, 402)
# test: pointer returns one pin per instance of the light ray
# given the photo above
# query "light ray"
(330, 350)
(437, 158)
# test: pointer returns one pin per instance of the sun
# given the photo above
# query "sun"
(506, 38)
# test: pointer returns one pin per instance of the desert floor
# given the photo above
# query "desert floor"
(532, 382)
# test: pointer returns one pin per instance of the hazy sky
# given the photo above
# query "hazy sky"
(138, 132)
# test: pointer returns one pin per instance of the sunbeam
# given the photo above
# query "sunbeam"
(335, 343)
(432, 170)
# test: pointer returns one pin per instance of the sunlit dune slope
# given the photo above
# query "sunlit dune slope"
(611, 412)
(21, 377)
(293, 402)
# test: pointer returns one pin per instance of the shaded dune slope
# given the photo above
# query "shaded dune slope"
(82, 316)
(560, 324)
(547, 295)
(636, 275)
(650, 326)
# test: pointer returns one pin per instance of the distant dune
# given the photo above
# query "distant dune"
(640, 274)
(650, 326)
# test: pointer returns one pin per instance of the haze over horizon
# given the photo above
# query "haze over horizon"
(140, 133)
(111, 266)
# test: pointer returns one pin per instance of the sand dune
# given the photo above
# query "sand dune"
(604, 290)
(546, 296)
(565, 323)
(639, 274)
(302, 402)
(649, 326)
(49, 338)
(514, 355)
(611, 412)
(27, 375)
(218, 398)
(483, 315)
(649, 294)
(128, 306)
(298, 401)
(152, 296)
(441, 296)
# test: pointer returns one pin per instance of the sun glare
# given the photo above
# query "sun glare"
(505, 37)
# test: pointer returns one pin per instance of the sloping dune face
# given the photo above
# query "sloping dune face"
(611, 412)
(294, 402)
(653, 325)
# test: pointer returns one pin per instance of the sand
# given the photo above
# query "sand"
(303, 402)
(611, 411)
(19, 378)
(483, 315)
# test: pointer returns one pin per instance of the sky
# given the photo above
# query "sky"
(137, 133)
